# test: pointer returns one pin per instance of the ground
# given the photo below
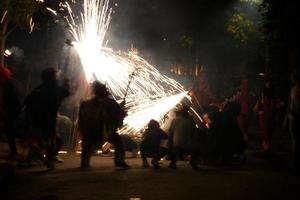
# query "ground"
(258, 179)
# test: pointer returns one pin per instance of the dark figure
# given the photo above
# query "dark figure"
(41, 109)
(183, 138)
(130, 145)
(10, 109)
(233, 143)
(151, 145)
(294, 119)
(99, 119)
(215, 131)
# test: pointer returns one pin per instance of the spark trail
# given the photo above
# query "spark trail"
(150, 95)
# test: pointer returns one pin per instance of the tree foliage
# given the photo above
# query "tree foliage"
(186, 41)
(241, 28)
(275, 20)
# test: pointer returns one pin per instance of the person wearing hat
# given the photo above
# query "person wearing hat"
(98, 120)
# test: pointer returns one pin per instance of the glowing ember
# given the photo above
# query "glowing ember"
(150, 95)
(7, 53)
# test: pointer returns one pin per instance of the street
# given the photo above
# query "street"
(256, 180)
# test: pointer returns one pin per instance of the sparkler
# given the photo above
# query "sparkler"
(150, 94)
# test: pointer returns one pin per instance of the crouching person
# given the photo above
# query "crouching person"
(183, 138)
(99, 119)
(151, 145)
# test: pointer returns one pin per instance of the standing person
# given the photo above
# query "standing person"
(10, 108)
(294, 119)
(265, 108)
(183, 138)
(232, 137)
(243, 98)
(41, 107)
(99, 119)
(151, 144)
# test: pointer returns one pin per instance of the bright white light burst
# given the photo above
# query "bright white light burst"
(150, 94)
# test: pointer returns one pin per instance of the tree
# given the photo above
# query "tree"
(280, 29)
(241, 28)
(14, 13)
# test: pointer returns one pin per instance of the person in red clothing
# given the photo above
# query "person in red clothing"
(265, 108)
(10, 108)
(243, 99)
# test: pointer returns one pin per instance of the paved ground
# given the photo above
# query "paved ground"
(259, 179)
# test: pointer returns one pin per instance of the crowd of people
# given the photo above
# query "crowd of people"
(219, 135)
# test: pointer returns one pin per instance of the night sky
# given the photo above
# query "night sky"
(155, 28)
(153, 25)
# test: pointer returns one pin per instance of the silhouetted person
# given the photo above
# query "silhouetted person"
(130, 145)
(233, 143)
(42, 105)
(183, 138)
(294, 118)
(10, 109)
(151, 144)
(99, 119)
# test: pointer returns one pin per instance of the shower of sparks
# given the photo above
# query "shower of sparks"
(150, 94)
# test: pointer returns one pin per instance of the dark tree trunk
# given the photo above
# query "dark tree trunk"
(2, 41)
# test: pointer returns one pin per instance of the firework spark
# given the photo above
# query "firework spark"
(3, 16)
(150, 95)
(52, 11)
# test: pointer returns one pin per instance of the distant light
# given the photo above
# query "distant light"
(7, 53)
(40, 1)
(116, 4)
(261, 74)
(164, 39)
(62, 152)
